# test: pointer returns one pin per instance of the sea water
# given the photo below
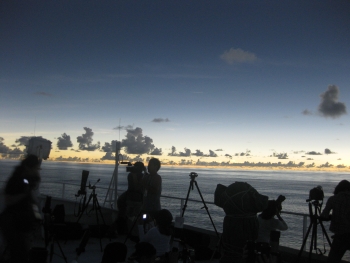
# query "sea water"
(294, 185)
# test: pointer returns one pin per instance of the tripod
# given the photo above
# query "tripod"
(193, 181)
(314, 220)
(95, 207)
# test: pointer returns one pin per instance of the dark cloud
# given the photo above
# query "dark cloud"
(23, 140)
(108, 156)
(42, 93)
(160, 120)
(156, 151)
(64, 142)
(329, 106)
(227, 155)
(280, 155)
(328, 151)
(198, 153)
(127, 127)
(136, 143)
(85, 141)
(218, 150)
(173, 151)
(186, 153)
(110, 147)
(313, 153)
(3, 147)
(306, 112)
(212, 154)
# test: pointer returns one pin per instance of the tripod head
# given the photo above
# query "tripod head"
(94, 186)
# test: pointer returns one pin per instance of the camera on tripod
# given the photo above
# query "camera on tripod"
(193, 175)
(316, 194)
(132, 168)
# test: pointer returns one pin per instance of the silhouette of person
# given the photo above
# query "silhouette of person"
(268, 222)
(21, 214)
(159, 236)
(152, 185)
(339, 204)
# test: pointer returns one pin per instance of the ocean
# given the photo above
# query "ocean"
(294, 185)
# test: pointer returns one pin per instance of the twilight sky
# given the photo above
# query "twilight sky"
(193, 79)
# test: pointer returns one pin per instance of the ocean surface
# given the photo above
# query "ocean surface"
(294, 185)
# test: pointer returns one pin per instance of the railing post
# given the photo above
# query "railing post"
(63, 190)
(304, 228)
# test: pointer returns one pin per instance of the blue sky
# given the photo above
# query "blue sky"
(240, 76)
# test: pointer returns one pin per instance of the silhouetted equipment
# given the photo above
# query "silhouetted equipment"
(95, 207)
(315, 202)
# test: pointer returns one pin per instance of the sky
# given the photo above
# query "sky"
(212, 81)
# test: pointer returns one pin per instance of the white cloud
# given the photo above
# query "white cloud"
(238, 56)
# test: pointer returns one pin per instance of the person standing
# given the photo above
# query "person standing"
(21, 214)
(339, 204)
(152, 185)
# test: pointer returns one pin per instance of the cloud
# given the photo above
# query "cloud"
(186, 153)
(212, 154)
(64, 142)
(108, 156)
(85, 141)
(160, 120)
(3, 147)
(156, 151)
(313, 153)
(329, 106)
(328, 151)
(238, 56)
(228, 155)
(127, 127)
(109, 147)
(306, 112)
(173, 151)
(218, 150)
(136, 143)
(42, 93)
(23, 140)
(198, 153)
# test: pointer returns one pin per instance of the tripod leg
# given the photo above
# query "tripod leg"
(188, 194)
(59, 246)
(304, 241)
(84, 208)
(325, 233)
(206, 208)
(132, 227)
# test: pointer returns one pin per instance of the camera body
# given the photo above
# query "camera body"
(193, 175)
(133, 168)
(316, 194)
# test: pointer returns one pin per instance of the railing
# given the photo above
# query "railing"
(182, 200)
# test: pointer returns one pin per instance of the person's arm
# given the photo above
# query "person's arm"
(329, 206)
(155, 184)
(281, 224)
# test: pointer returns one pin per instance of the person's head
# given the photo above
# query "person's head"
(29, 168)
(140, 166)
(270, 211)
(343, 186)
(144, 253)
(164, 220)
(153, 165)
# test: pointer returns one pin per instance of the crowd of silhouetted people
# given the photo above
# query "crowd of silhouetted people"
(250, 217)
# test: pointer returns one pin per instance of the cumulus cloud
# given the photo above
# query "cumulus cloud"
(186, 153)
(328, 151)
(198, 153)
(3, 147)
(219, 150)
(173, 151)
(330, 106)
(313, 153)
(160, 120)
(156, 151)
(136, 143)
(64, 142)
(108, 156)
(85, 141)
(110, 147)
(23, 140)
(212, 154)
(228, 155)
(237, 55)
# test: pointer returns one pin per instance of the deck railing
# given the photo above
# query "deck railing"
(61, 192)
